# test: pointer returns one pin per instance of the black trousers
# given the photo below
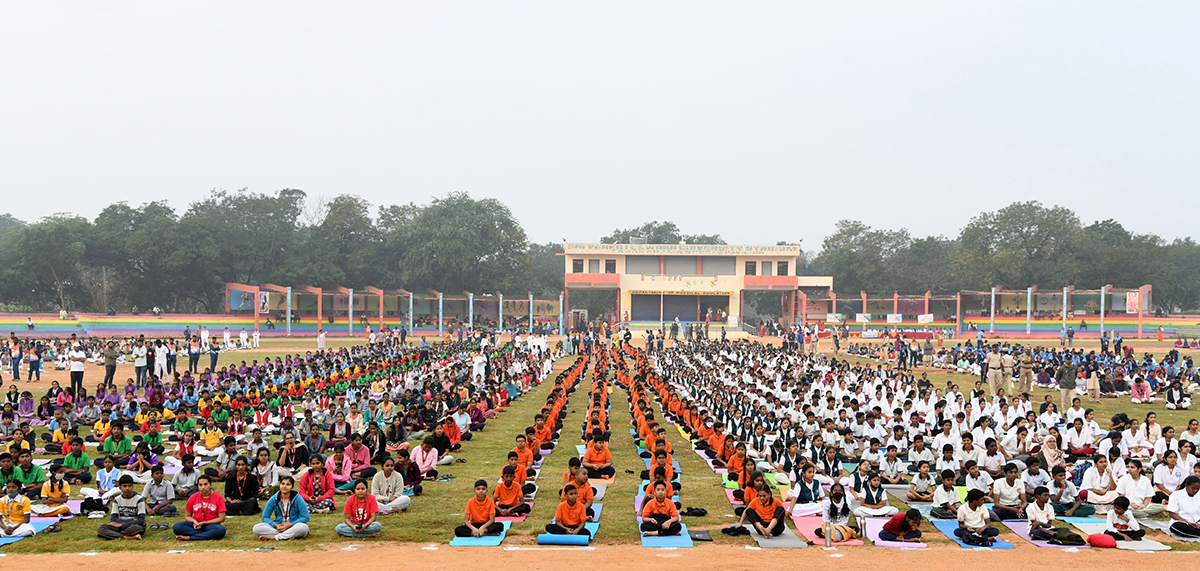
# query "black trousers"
(494, 529)
(655, 523)
(753, 517)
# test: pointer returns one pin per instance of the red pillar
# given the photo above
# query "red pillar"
(957, 314)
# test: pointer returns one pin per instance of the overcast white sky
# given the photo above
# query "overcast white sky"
(761, 121)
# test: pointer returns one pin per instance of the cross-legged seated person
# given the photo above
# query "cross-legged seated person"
(659, 515)
(571, 515)
(765, 513)
(479, 519)
(598, 459)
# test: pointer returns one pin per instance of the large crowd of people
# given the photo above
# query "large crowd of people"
(366, 427)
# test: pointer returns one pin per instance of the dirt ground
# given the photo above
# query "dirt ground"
(701, 558)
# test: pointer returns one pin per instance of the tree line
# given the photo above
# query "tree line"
(152, 255)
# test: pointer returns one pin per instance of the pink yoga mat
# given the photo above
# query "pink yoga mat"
(808, 525)
(732, 500)
(873, 525)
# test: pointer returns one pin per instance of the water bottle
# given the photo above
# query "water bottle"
(828, 534)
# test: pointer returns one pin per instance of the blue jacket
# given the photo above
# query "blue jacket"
(298, 512)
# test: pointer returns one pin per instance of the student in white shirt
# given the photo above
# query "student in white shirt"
(1064, 497)
(1009, 494)
(1041, 515)
(1120, 523)
(973, 520)
(1184, 508)
(1138, 489)
(1099, 486)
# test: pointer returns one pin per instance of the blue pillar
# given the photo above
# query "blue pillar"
(470, 312)
(500, 327)
(561, 324)
(410, 310)
(531, 313)
(439, 313)
(1028, 310)
(350, 312)
(993, 326)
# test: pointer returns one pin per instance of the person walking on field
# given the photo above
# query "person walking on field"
(1066, 376)
(994, 369)
(1025, 382)
(1007, 365)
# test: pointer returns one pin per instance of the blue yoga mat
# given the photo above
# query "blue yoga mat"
(485, 541)
(947, 527)
(561, 539)
(37, 526)
(1077, 519)
(681, 540)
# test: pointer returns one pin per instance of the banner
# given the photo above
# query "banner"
(545, 308)
(1133, 302)
(241, 300)
(264, 302)
(862, 318)
(833, 318)
(925, 318)
(895, 318)
(870, 334)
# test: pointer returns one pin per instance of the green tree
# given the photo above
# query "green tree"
(656, 232)
(1023, 244)
(857, 256)
(459, 243)
(52, 254)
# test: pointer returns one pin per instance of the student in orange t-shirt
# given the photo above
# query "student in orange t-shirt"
(765, 513)
(659, 515)
(598, 460)
(584, 491)
(662, 460)
(509, 496)
(544, 433)
(524, 456)
(570, 515)
(480, 517)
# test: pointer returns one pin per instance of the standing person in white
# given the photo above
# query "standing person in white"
(226, 338)
(77, 358)
(255, 337)
(244, 339)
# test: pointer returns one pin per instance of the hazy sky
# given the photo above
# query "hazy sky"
(761, 121)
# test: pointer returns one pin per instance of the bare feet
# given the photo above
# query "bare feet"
(181, 538)
(265, 538)
(137, 537)
(371, 535)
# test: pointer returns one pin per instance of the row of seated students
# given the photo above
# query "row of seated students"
(509, 499)
(660, 513)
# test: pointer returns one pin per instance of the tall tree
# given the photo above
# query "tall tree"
(1021, 245)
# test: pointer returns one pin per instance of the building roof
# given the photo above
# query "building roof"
(683, 250)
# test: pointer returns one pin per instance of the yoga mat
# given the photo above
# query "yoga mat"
(601, 489)
(730, 484)
(1075, 519)
(786, 540)
(1165, 527)
(169, 470)
(605, 481)
(947, 527)
(512, 519)
(38, 527)
(560, 539)
(681, 540)
(545, 452)
(581, 448)
(873, 525)
(808, 526)
(732, 500)
(1021, 529)
(485, 541)
(40, 462)
(75, 505)
(1143, 545)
